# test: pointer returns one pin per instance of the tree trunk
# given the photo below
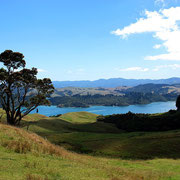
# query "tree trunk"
(10, 120)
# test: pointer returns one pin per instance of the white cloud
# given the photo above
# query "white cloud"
(41, 70)
(165, 26)
(171, 66)
(134, 69)
(168, 56)
(157, 46)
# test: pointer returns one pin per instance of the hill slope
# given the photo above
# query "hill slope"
(119, 96)
(25, 155)
(79, 117)
(77, 133)
(118, 91)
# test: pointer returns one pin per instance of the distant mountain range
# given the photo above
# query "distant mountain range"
(114, 82)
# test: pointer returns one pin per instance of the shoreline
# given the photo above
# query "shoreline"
(154, 107)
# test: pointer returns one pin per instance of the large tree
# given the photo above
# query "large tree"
(20, 90)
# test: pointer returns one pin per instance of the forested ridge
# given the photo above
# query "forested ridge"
(111, 100)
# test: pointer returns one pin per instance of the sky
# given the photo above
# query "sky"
(94, 39)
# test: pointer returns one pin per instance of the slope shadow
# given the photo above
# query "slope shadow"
(112, 142)
(61, 126)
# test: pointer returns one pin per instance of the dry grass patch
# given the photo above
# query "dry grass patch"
(22, 141)
(35, 177)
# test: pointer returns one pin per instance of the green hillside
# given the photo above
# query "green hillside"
(101, 151)
(103, 139)
(27, 156)
(79, 117)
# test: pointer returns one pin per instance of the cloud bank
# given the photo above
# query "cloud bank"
(165, 26)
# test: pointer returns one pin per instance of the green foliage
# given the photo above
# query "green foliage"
(15, 82)
(110, 100)
(144, 122)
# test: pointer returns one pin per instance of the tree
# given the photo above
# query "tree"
(20, 90)
(178, 103)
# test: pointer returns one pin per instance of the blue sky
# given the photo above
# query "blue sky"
(94, 39)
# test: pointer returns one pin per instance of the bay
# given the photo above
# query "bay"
(155, 107)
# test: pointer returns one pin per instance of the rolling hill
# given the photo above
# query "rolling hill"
(104, 152)
(118, 91)
(119, 96)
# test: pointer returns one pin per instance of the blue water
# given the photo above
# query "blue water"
(156, 107)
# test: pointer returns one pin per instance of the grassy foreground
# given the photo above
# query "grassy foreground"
(118, 155)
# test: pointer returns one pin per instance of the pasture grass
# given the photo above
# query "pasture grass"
(79, 117)
(105, 140)
(104, 152)
(25, 155)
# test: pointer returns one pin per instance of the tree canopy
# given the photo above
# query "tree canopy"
(20, 89)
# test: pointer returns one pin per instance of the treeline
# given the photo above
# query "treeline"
(144, 122)
(110, 100)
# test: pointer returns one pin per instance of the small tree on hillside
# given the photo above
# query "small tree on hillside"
(178, 103)
(20, 90)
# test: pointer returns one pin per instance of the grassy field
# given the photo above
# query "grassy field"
(80, 133)
(79, 117)
(88, 150)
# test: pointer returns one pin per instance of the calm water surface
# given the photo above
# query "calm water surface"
(156, 107)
